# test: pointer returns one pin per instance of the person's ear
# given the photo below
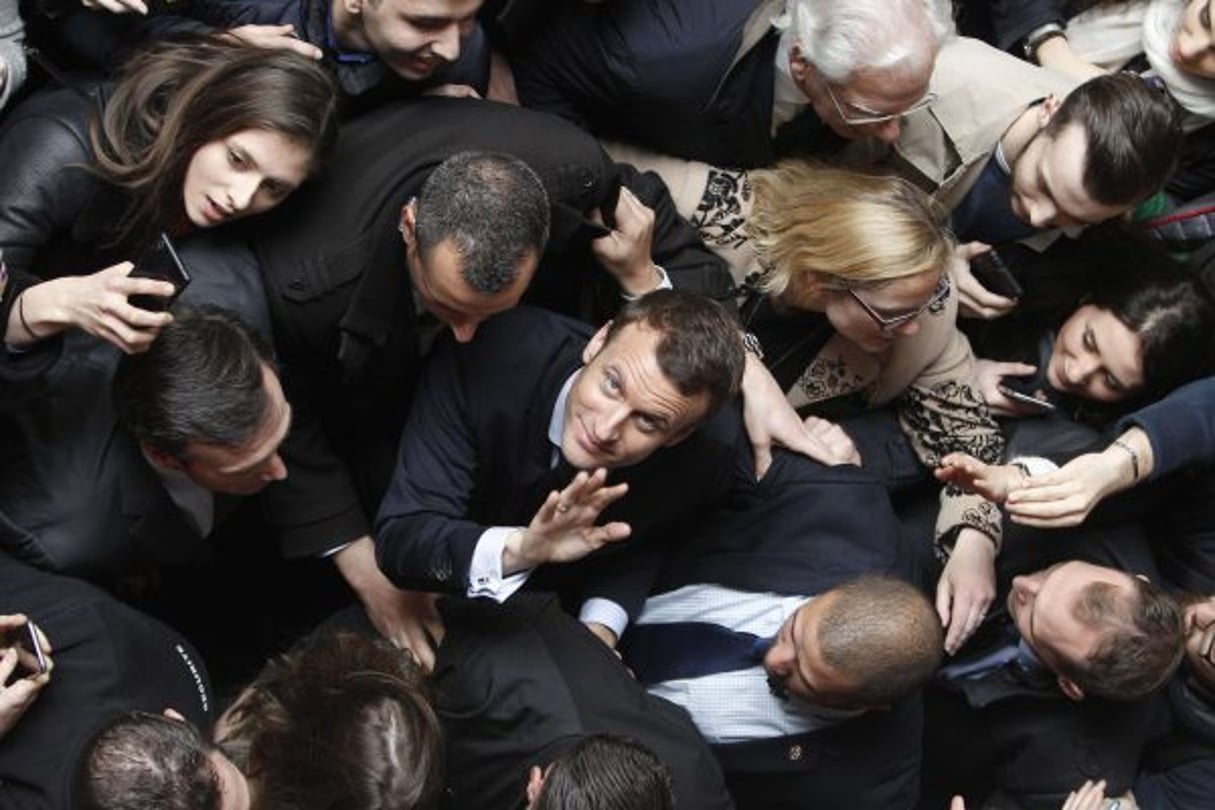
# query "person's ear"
(409, 222)
(354, 7)
(596, 343)
(798, 66)
(535, 783)
(1070, 688)
(173, 714)
(160, 458)
(1047, 110)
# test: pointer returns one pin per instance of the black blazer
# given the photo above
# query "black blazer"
(78, 495)
(804, 529)
(345, 319)
(109, 659)
(517, 684)
(476, 453)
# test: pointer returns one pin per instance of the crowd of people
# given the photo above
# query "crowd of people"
(684, 404)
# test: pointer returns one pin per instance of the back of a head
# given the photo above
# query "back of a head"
(700, 350)
(883, 635)
(146, 762)
(843, 38)
(1133, 134)
(1141, 643)
(603, 772)
(345, 722)
(842, 227)
(493, 208)
(200, 381)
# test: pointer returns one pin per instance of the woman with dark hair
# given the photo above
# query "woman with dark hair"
(1142, 328)
(194, 135)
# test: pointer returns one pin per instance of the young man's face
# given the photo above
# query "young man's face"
(621, 408)
(1048, 182)
(415, 38)
(247, 469)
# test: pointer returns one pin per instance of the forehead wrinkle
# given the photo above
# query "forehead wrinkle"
(637, 375)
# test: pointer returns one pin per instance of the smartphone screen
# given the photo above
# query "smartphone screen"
(160, 261)
(993, 274)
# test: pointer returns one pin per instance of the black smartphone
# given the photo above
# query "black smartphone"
(31, 657)
(161, 262)
(1026, 391)
(993, 274)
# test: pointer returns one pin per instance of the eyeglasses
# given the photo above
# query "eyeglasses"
(893, 322)
(869, 116)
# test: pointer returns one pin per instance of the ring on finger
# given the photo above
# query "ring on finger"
(563, 508)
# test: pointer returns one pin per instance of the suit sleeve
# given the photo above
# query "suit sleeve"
(1181, 427)
(677, 244)
(422, 539)
(1014, 20)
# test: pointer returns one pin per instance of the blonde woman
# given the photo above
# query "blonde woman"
(844, 281)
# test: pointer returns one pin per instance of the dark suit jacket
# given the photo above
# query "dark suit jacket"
(77, 493)
(517, 684)
(476, 453)
(109, 659)
(801, 531)
(344, 316)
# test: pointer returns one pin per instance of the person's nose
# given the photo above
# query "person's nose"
(241, 191)
(1189, 48)
(888, 131)
(607, 427)
(447, 44)
(908, 329)
(1041, 213)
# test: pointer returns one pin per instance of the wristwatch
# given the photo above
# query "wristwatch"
(751, 344)
(1036, 37)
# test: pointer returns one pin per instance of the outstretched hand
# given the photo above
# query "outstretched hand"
(992, 481)
(564, 529)
(975, 300)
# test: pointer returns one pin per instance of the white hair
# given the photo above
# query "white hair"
(841, 37)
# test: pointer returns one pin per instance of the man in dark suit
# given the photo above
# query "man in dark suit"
(1051, 690)
(108, 660)
(804, 572)
(358, 290)
(110, 487)
(482, 495)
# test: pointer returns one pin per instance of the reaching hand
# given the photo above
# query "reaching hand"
(967, 587)
(1089, 796)
(406, 618)
(989, 373)
(625, 252)
(1065, 496)
(771, 420)
(992, 481)
(18, 696)
(453, 91)
(564, 529)
(275, 36)
(975, 300)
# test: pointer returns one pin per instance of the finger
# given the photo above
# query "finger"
(606, 496)
(944, 601)
(570, 493)
(1015, 369)
(23, 690)
(145, 286)
(419, 645)
(612, 532)
(958, 629)
(304, 48)
(12, 620)
(957, 803)
(762, 454)
(8, 663)
(972, 249)
(549, 509)
(1038, 490)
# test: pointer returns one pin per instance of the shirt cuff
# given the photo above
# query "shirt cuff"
(1035, 465)
(485, 570)
(664, 283)
(605, 612)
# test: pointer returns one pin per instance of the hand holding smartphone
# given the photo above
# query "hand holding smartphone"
(161, 262)
(27, 640)
(1026, 391)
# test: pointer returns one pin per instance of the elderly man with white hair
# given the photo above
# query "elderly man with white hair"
(735, 82)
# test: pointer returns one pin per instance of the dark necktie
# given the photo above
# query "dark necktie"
(1011, 654)
(665, 652)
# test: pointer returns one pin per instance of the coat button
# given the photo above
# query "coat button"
(795, 753)
(296, 284)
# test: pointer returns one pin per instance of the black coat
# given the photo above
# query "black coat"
(345, 320)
